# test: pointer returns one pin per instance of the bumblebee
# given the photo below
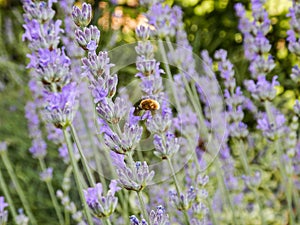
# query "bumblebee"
(146, 104)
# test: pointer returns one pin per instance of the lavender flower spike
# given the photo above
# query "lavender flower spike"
(3, 212)
(82, 17)
(88, 38)
(102, 206)
(62, 106)
(158, 217)
(166, 145)
(135, 178)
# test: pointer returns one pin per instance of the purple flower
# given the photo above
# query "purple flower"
(46, 175)
(186, 199)
(44, 36)
(52, 67)
(99, 90)
(134, 221)
(3, 212)
(165, 145)
(3, 146)
(88, 38)
(292, 37)
(160, 122)
(38, 148)
(164, 19)
(295, 74)
(143, 33)
(157, 217)
(297, 107)
(102, 206)
(135, 177)
(252, 181)
(40, 11)
(262, 90)
(82, 17)
(112, 112)
(61, 106)
(146, 67)
(96, 64)
(271, 130)
(145, 49)
(122, 142)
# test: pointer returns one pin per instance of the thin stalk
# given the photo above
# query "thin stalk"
(124, 205)
(279, 153)
(98, 163)
(193, 96)
(9, 200)
(289, 200)
(225, 191)
(243, 157)
(169, 74)
(107, 221)
(83, 159)
(52, 195)
(211, 213)
(19, 190)
(258, 200)
(297, 204)
(67, 217)
(177, 187)
(142, 204)
(77, 176)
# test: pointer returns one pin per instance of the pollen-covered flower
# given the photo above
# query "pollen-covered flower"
(101, 205)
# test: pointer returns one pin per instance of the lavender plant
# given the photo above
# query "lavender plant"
(184, 147)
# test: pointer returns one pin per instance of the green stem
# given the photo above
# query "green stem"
(279, 153)
(107, 221)
(7, 197)
(83, 159)
(289, 200)
(98, 163)
(177, 188)
(224, 190)
(243, 156)
(194, 97)
(212, 213)
(169, 74)
(142, 204)
(52, 195)
(67, 217)
(77, 176)
(297, 204)
(18, 188)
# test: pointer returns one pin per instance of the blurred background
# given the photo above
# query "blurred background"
(210, 24)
